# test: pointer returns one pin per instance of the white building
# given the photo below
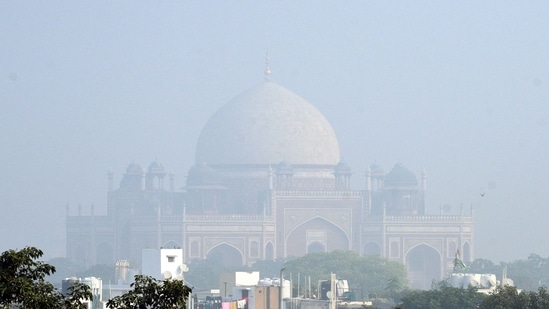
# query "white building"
(163, 263)
(96, 288)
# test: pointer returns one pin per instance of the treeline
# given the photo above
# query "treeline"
(447, 297)
(23, 285)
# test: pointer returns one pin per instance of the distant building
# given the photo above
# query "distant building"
(163, 263)
(96, 289)
(484, 283)
(269, 183)
(229, 280)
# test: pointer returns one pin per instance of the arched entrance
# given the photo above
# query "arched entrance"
(467, 253)
(269, 251)
(424, 266)
(327, 235)
(225, 255)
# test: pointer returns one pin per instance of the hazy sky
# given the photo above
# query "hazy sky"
(460, 89)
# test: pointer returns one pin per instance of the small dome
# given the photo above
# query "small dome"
(343, 168)
(264, 125)
(134, 169)
(284, 168)
(156, 167)
(400, 176)
(376, 170)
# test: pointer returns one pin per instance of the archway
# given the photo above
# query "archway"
(467, 253)
(424, 266)
(331, 236)
(225, 255)
(269, 251)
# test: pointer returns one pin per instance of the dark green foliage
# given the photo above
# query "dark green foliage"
(148, 292)
(22, 282)
(509, 297)
(443, 297)
(78, 292)
(22, 278)
(539, 299)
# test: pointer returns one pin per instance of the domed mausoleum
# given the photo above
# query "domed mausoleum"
(268, 183)
(265, 125)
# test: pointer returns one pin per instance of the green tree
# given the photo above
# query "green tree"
(442, 297)
(507, 297)
(204, 274)
(365, 274)
(22, 283)
(528, 274)
(539, 299)
(268, 269)
(78, 293)
(147, 292)
(484, 266)
(393, 287)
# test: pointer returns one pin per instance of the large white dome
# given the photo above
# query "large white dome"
(265, 125)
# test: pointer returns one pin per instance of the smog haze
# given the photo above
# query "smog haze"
(460, 90)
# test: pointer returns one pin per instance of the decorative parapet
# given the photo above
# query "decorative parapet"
(437, 219)
(232, 218)
(332, 193)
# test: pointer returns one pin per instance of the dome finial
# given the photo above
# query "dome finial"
(267, 67)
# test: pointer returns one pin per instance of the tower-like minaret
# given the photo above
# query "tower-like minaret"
(424, 180)
(424, 191)
(369, 190)
(271, 178)
(369, 179)
(110, 176)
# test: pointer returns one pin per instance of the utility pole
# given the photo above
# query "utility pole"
(333, 292)
(280, 306)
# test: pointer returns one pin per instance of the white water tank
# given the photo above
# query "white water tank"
(286, 289)
(487, 281)
(472, 280)
(456, 280)
(265, 282)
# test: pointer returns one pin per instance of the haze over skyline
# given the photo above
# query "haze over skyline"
(458, 89)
